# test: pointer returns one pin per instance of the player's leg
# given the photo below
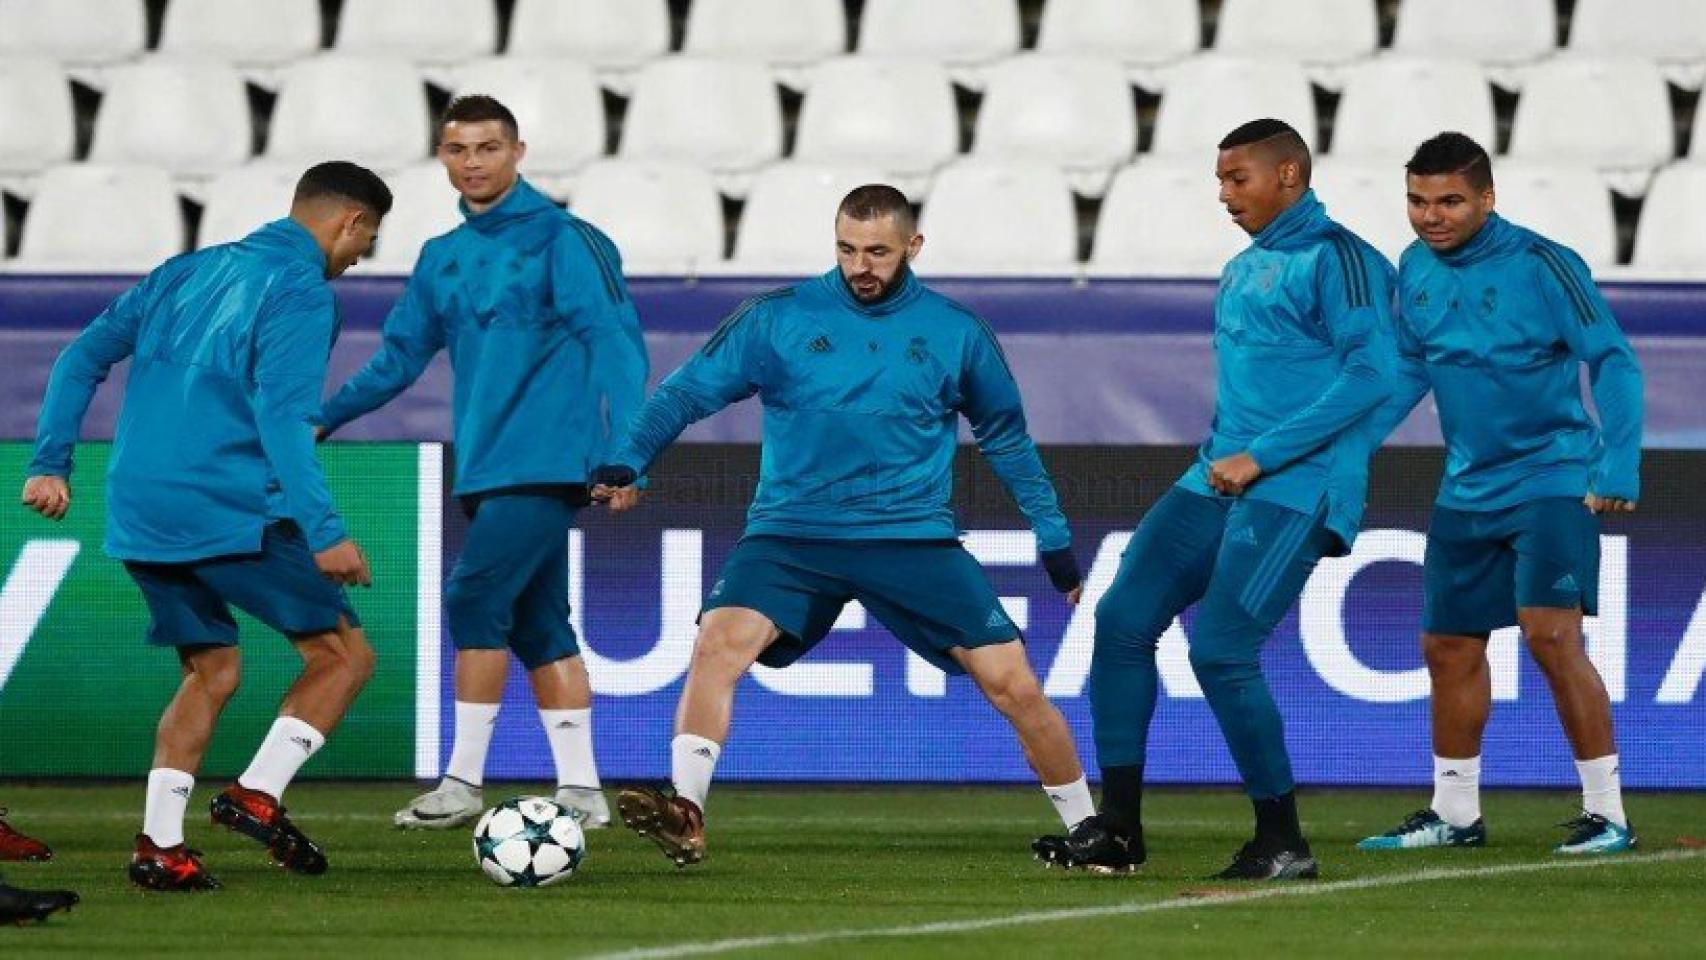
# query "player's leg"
(191, 618)
(1005, 677)
(1557, 580)
(1265, 558)
(1468, 577)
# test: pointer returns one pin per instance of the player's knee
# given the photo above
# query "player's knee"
(723, 650)
(360, 658)
(1015, 693)
(1552, 644)
(1124, 627)
(1225, 664)
(220, 679)
(1452, 657)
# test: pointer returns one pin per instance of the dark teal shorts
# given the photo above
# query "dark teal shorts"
(1482, 566)
(190, 603)
(930, 594)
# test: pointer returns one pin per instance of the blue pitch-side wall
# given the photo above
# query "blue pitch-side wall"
(1111, 370)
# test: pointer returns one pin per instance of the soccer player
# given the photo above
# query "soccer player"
(549, 365)
(1497, 320)
(1305, 353)
(864, 373)
(215, 499)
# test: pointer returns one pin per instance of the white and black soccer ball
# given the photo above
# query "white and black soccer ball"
(528, 842)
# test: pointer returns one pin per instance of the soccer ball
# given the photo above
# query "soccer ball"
(528, 842)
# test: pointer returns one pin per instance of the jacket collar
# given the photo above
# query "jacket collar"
(1495, 237)
(523, 201)
(1302, 219)
(292, 239)
(899, 297)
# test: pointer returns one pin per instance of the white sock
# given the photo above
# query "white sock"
(1602, 788)
(474, 725)
(287, 747)
(691, 762)
(163, 811)
(570, 734)
(1457, 790)
(1072, 801)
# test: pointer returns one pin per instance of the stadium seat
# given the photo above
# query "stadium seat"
(664, 217)
(1669, 237)
(247, 33)
(615, 36)
(71, 222)
(1164, 217)
(424, 31)
(556, 102)
(1137, 33)
(782, 33)
(382, 118)
(896, 115)
(423, 206)
(788, 224)
(1611, 114)
(1210, 95)
(724, 115)
(962, 34)
(990, 216)
(190, 117)
(1074, 112)
(1309, 31)
(1435, 95)
(1568, 204)
(77, 33)
(1672, 33)
(1522, 30)
(243, 198)
(37, 120)
(1368, 200)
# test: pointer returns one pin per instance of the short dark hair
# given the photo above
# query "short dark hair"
(476, 108)
(1280, 139)
(875, 200)
(1453, 153)
(343, 180)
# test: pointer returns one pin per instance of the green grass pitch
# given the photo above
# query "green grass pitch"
(939, 872)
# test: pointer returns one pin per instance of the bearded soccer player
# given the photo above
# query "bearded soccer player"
(1497, 321)
(864, 351)
(549, 365)
(215, 499)
(1304, 350)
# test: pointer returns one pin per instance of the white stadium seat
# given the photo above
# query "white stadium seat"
(664, 217)
(190, 117)
(1669, 237)
(609, 34)
(1568, 204)
(897, 115)
(1611, 114)
(424, 31)
(243, 198)
(248, 33)
(557, 103)
(1368, 200)
(37, 121)
(724, 115)
(1310, 31)
(75, 220)
(372, 111)
(1521, 31)
(1392, 104)
(73, 32)
(1134, 32)
(1670, 32)
(1077, 113)
(777, 32)
(788, 223)
(423, 205)
(989, 216)
(960, 33)
(1164, 217)
(1210, 95)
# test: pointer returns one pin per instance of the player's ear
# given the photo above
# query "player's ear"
(913, 246)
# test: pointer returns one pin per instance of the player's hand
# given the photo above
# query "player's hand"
(321, 433)
(47, 495)
(619, 499)
(1600, 504)
(1233, 475)
(344, 563)
(1062, 567)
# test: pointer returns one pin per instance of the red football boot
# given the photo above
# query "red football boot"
(258, 816)
(154, 867)
(16, 846)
